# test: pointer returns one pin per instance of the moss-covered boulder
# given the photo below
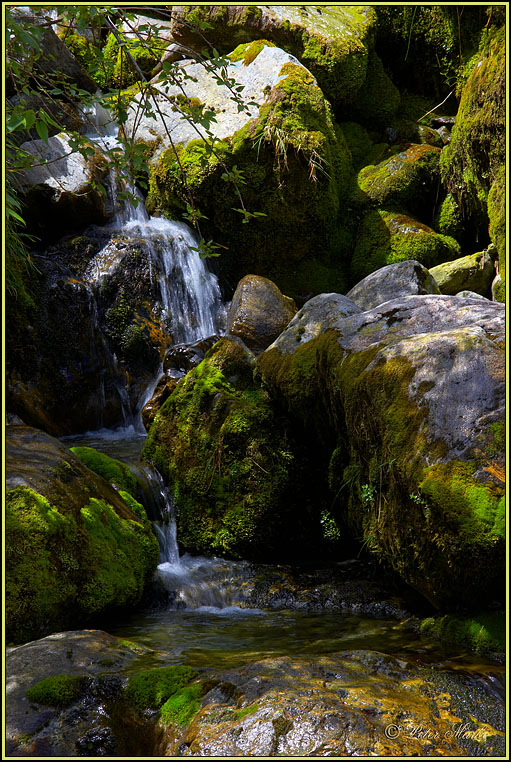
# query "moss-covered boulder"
(259, 312)
(497, 229)
(386, 237)
(414, 390)
(408, 180)
(76, 549)
(474, 272)
(291, 164)
(402, 279)
(333, 42)
(232, 463)
(475, 156)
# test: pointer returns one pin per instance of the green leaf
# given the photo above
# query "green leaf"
(42, 130)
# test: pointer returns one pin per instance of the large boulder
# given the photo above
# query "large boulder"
(259, 312)
(414, 390)
(62, 188)
(402, 279)
(474, 272)
(76, 548)
(332, 41)
(236, 471)
(278, 147)
(386, 237)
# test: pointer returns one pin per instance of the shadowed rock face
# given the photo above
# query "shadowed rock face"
(414, 390)
(259, 312)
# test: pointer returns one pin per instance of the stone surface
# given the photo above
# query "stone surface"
(84, 727)
(474, 272)
(61, 196)
(402, 279)
(345, 704)
(259, 312)
(414, 390)
(314, 318)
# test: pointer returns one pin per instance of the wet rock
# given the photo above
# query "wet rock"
(402, 279)
(184, 357)
(259, 312)
(345, 704)
(471, 273)
(75, 547)
(414, 390)
(84, 727)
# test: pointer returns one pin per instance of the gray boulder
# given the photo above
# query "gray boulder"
(401, 279)
(259, 312)
(414, 390)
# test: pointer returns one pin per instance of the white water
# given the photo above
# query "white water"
(189, 301)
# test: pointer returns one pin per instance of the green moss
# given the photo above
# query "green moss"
(246, 711)
(57, 690)
(182, 706)
(151, 688)
(295, 166)
(388, 237)
(114, 471)
(378, 100)
(478, 508)
(249, 51)
(408, 180)
(476, 152)
(449, 220)
(62, 567)
(497, 227)
(485, 632)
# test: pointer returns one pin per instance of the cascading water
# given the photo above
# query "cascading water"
(196, 583)
(187, 296)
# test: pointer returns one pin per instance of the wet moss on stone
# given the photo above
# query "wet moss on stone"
(114, 471)
(57, 690)
(151, 688)
(180, 708)
(484, 633)
(497, 228)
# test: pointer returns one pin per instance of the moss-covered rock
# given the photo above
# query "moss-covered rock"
(231, 461)
(151, 688)
(497, 217)
(408, 180)
(484, 632)
(114, 471)
(474, 272)
(75, 549)
(294, 167)
(57, 690)
(332, 41)
(476, 153)
(388, 237)
(417, 464)
(377, 102)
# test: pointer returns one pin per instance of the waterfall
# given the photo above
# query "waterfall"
(186, 295)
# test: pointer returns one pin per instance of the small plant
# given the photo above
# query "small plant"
(368, 494)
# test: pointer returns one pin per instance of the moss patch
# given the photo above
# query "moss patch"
(485, 632)
(151, 688)
(58, 690)
(388, 237)
(249, 51)
(182, 706)
(63, 568)
(110, 469)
